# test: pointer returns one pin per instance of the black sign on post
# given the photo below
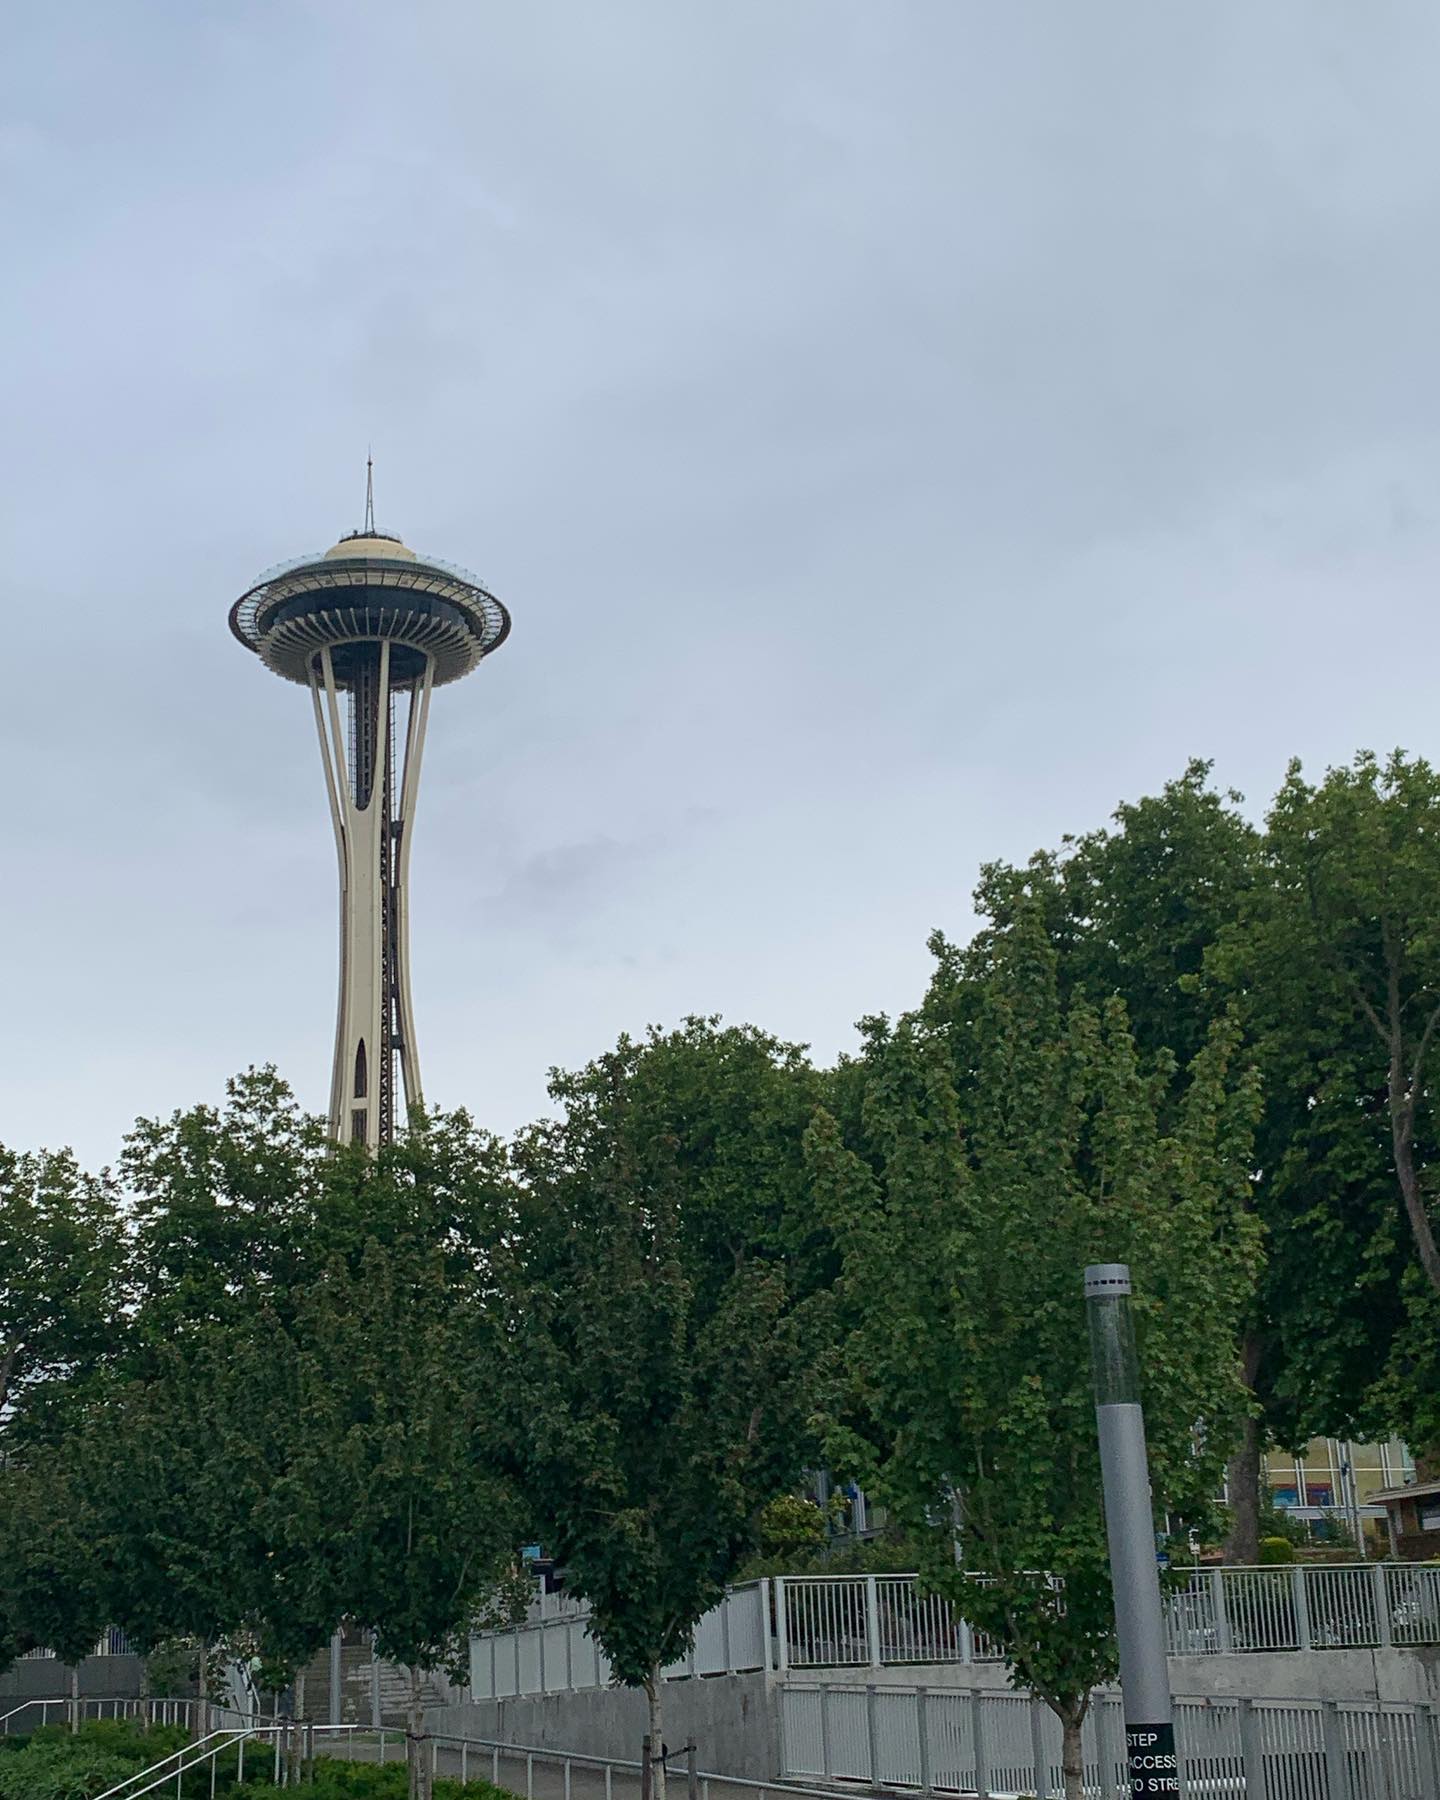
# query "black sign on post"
(1150, 1754)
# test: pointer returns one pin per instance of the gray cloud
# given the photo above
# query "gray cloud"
(899, 432)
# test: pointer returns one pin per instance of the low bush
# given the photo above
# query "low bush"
(54, 1764)
(1276, 1550)
(57, 1764)
(337, 1779)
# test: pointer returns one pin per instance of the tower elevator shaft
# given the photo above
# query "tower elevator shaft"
(372, 771)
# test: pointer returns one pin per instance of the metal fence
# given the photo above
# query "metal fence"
(113, 1643)
(551, 1656)
(1337, 1607)
(27, 1715)
(827, 1622)
(885, 1621)
(536, 1771)
(994, 1743)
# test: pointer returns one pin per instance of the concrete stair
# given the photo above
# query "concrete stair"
(362, 1681)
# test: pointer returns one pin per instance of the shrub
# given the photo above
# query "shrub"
(335, 1779)
(1276, 1550)
(69, 1770)
(58, 1765)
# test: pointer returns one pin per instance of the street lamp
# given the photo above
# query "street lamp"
(1130, 1530)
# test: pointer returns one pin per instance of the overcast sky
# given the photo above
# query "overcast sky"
(900, 432)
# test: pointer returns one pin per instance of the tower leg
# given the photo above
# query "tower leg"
(374, 1023)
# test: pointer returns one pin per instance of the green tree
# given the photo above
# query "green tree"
(669, 1330)
(224, 1202)
(54, 1587)
(395, 1478)
(1345, 934)
(1162, 908)
(965, 1231)
(61, 1248)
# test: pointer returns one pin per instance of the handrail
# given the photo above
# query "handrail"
(547, 1753)
(177, 1757)
(126, 1705)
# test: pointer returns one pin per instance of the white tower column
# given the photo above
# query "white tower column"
(361, 745)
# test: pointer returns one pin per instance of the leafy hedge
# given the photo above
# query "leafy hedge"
(335, 1779)
(54, 1764)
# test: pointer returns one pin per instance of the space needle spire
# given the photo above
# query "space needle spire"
(371, 629)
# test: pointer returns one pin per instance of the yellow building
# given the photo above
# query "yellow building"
(1333, 1483)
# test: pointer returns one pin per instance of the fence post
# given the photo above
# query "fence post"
(1106, 1750)
(1426, 1765)
(1302, 1606)
(1037, 1745)
(872, 1736)
(922, 1732)
(825, 1764)
(726, 1657)
(692, 1773)
(1383, 1628)
(782, 1632)
(1224, 1643)
(967, 1642)
(540, 1635)
(977, 1740)
(1332, 1736)
(335, 1666)
(872, 1621)
(1252, 1751)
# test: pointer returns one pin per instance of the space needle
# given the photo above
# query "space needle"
(371, 628)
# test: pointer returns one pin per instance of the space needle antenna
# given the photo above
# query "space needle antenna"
(369, 494)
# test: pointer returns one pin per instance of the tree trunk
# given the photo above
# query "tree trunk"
(297, 1736)
(1072, 1754)
(656, 1749)
(74, 1697)
(1242, 1481)
(1402, 1132)
(202, 1692)
(1242, 1472)
(417, 1745)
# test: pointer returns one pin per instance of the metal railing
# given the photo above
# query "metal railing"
(883, 1621)
(996, 1744)
(466, 1759)
(112, 1642)
(28, 1715)
(1369, 1606)
(558, 1655)
(990, 1744)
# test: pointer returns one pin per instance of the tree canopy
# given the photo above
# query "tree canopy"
(1007, 1148)
(668, 1340)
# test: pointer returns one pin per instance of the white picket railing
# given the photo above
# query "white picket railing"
(873, 1621)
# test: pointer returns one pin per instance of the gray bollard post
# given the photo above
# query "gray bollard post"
(1130, 1532)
